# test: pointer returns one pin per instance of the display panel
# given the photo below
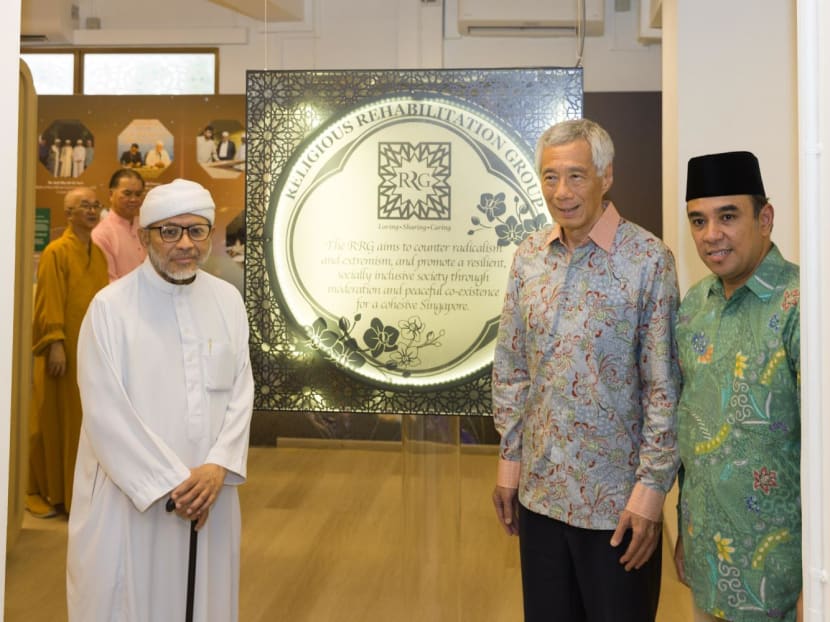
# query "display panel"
(383, 209)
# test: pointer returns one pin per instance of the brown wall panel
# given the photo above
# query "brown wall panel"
(106, 118)
(634, 121)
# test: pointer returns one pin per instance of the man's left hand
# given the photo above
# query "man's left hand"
(195, 495)
(645, 534)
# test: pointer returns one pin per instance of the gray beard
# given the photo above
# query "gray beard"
(179, 277)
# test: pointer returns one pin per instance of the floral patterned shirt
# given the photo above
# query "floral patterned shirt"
(585, 377)
(739, 435)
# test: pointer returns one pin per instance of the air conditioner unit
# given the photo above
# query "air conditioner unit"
(528, 18)
(48, 21)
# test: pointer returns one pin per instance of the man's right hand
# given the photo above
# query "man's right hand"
(56, 359)
(506, 501)
(196, 495)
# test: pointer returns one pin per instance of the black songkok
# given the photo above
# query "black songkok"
(724, 174)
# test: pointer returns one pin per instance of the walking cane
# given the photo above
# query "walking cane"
(191, 564)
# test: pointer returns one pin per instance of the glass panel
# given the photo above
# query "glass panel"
(430, 542)
(149, 74)
(54, 74)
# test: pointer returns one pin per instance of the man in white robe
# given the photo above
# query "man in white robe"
(78, 158)
(158, 157)
(206, 146)
(167, 395)
(65, 169)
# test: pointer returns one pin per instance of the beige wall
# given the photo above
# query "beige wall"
(729, 88)
(381, 34)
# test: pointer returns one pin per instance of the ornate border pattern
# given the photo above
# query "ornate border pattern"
(288, 375)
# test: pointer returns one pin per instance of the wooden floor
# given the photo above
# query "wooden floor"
(346, 533)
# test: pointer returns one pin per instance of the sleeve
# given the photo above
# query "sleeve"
(50, 301)
(104, 242)
(660, 388)
(231, 447)
(136, 459)
(511, 382)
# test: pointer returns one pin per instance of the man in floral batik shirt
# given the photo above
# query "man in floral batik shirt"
(585, 385)
(739, 415)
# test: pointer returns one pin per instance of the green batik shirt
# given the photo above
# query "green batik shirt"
(739, 435)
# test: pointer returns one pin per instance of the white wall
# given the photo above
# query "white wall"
(729, 88)
(381, 34)
(615, 61)
(814, 191)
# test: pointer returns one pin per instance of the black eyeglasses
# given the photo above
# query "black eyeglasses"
(173, 233)
(87, 205)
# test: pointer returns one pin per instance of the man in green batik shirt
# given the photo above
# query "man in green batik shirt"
(739, 546)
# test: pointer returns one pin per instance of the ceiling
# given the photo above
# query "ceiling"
(267, 10)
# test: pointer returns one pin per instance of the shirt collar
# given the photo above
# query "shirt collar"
(72, 236)
(603, 231)
(764, 280)
(123, 222)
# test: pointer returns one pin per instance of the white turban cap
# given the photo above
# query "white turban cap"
(180, 196)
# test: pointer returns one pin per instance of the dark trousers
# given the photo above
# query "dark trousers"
(574, 575)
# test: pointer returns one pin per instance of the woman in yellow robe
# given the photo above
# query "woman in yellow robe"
(71, 271)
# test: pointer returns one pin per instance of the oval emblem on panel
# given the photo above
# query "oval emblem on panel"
(392, 229)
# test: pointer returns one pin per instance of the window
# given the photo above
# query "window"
(116, 72)
(53, 74)
(164, 73)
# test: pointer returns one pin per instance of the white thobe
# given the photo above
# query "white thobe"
(78, 157)
(166, 385)
(66, 161)
(205, 149)
(153, 158)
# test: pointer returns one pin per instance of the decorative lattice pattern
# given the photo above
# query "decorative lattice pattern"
(290, 376)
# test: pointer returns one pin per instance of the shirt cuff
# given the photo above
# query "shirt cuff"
(508, 473)
(646, 502)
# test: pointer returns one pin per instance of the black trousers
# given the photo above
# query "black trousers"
(574, 575)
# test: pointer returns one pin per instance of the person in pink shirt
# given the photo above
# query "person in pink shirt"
(117, 233)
